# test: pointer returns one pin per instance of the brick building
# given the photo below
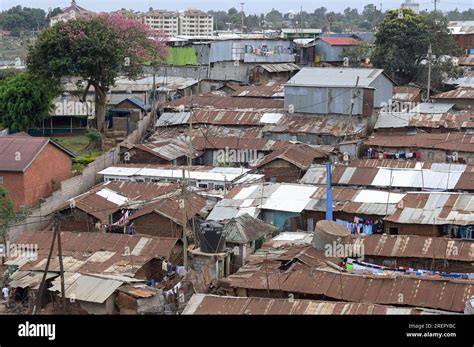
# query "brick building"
(31, 168)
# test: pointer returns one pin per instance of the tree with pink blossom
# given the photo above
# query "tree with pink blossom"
(96, 49)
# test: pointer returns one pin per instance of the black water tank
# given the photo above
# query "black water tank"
(211, 238)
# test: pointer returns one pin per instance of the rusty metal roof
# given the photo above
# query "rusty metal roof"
(269, 89)
(168, 149)
(301, 156)
(411, 246)
(434, 209)
(246, 228)
(97, 253)
(226, 103)
(449, 120)
(405, 93)
(462, 142)
(428, 292)
(459, 93)
(335, 125)
(231, 142)
(107, 198)
(204, 304)
(172, 209)
(18, 151)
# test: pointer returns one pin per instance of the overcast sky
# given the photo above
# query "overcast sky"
(255, 6)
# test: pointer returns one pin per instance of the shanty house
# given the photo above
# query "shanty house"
(330, 91)
(433, 214)
(26, 172)
(245, 235)
(331, 49)
(95, 265)
(462, 98)
(418, 252)
(106, 203)
(266, 72)
(290, 164)
(164, 217)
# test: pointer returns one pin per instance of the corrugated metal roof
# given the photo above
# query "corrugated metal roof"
(405, 93)
(411, 246)
(269, 89)
(280, 67)
(451, 120)
(340, 41)
(434, 209)
(29, 279)
(300, 155)
(208, 173)
(334, 77)
(80, 251)
(86, 288)
(245, 228)
(204, 304)
(107, 198)
(444, 294)
(428, 107)
(226, 103)
(399, 174)
(336, 125)
(459, 93)
(453, 141)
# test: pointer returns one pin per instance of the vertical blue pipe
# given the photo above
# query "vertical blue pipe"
(328, 191)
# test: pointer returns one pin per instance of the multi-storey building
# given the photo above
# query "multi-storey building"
(190, 22)
(194, 22)
(166, 21)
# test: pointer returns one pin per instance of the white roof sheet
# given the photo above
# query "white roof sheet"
(112, 196)
(380, 197)
(271, 118)
(215, 174)
(289, 198)
(427, 179)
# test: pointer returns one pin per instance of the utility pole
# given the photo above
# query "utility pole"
(185, 223)
(435, 5)
(301, 19)
(429, 73)
(61, 265)
(353, 100)
(56, 234)
(242, 15)
(43, 280)
(153, 91)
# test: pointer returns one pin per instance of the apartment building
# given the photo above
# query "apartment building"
(194, 22)
(166, 21)
(191, 22)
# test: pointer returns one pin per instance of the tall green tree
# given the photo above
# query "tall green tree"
(25, 100)
(402, 43)
(20, 18)
(97, 50)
